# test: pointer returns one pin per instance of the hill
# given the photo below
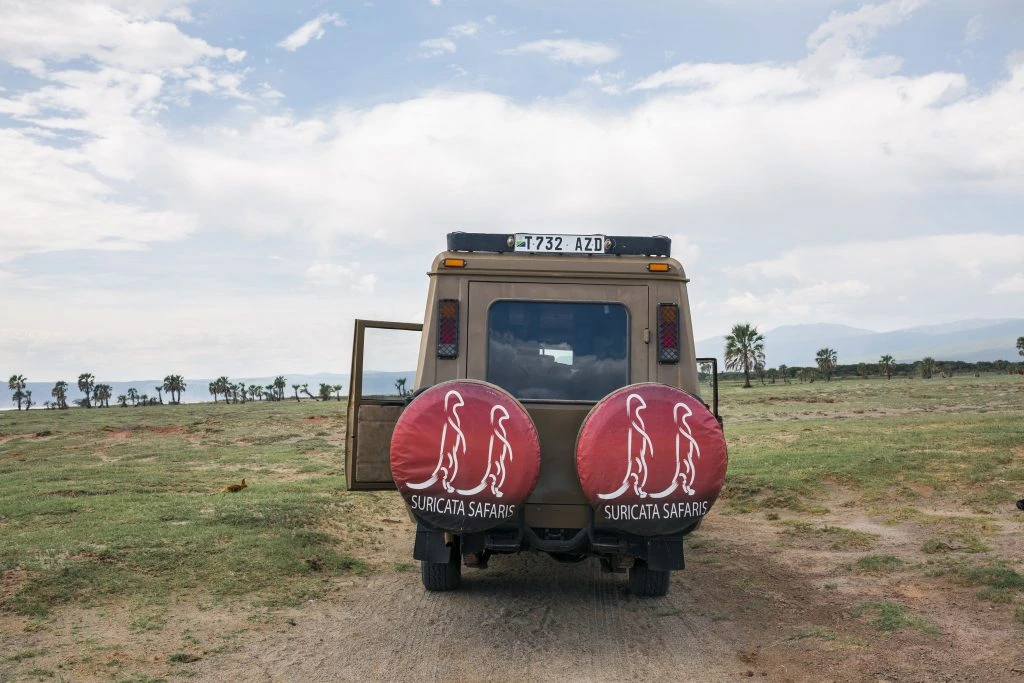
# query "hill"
(966, 340)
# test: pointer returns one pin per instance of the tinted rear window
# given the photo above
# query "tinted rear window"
(558, 351)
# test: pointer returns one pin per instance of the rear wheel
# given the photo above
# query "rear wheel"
(442, 576)
(645, 582)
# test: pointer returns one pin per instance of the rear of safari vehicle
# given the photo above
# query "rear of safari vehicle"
(556, 375)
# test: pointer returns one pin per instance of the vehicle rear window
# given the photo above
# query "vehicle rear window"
(558, 351)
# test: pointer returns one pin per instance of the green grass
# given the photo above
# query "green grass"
(879, 564)
(97, 505)
(125, 502)
(892, 616)
(22, 655)
(837, 538)
(887, 440)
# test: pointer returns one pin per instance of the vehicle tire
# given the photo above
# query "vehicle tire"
(442, 576)
(645, 582)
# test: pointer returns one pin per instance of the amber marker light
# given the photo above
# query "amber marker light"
(658, 267)
(455, 263)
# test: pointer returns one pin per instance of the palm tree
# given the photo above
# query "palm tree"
(174, 385)
(337, 391)
(826, 359)
(160, 396)
(223, 387)
(123, 400)
(133, 395)
(927, 366)
(784, 373)
(179, 386)
(1020, 346)
(325, 392)
(280, 383)
(214, 390)
(60, 392)
(744, 349)
(28, 399)
(85, 384)
(885, 365)
(271, 392)
(17, 384)
(296, 388)
(102, 394)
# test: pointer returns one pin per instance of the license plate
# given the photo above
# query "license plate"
(560, 244)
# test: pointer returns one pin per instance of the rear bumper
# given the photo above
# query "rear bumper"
(579, 539)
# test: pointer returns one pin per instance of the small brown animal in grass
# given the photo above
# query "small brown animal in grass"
(233, 488)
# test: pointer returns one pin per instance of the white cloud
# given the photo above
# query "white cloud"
(736, 82)
(464, 30)
(607, 82)
(838, 46)
(860, 280)
(334, 274)
(741, 157)
(491, 19)
(435, 3)
(1011, 285)
(568, 51)
(87, 128)
(61, 31)
(314, 29)
(974, 29)
(52, 204)
(434, 47)
(269, 92)
(180, 14)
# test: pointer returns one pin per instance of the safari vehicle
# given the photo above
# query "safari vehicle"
(555, 408)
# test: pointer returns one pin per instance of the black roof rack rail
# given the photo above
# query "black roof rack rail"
(620, 245)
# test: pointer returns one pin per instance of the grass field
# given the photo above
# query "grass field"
(122, 507)
(126, 502)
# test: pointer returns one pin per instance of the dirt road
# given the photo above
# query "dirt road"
(743, 608)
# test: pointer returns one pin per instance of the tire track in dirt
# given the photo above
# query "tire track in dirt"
(526, 618)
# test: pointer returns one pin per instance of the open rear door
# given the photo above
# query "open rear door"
(376, 398)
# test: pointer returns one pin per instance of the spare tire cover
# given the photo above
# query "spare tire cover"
(651, 459)
(465, 455)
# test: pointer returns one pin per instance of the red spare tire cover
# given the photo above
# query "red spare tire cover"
(465, 455)
(651, 459)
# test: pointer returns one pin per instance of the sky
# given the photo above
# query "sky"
(208, 188)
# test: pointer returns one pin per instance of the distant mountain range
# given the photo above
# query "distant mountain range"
(966, 340)
(197, 390)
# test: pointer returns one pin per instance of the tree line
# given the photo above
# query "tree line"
(238, 392)
(100, 395)
(745, 355)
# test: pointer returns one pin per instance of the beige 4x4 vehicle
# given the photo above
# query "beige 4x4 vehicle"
(556, 408)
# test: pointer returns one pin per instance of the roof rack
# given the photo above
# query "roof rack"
(619, 245)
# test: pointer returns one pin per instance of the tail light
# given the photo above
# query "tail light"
(668, 333)
(448, 328)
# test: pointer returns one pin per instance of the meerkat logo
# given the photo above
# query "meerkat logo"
(453, 446)
(639, 448)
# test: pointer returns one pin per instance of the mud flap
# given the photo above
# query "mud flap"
(430, 545)
(665, 554)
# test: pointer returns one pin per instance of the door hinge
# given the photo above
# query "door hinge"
(647, 335)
